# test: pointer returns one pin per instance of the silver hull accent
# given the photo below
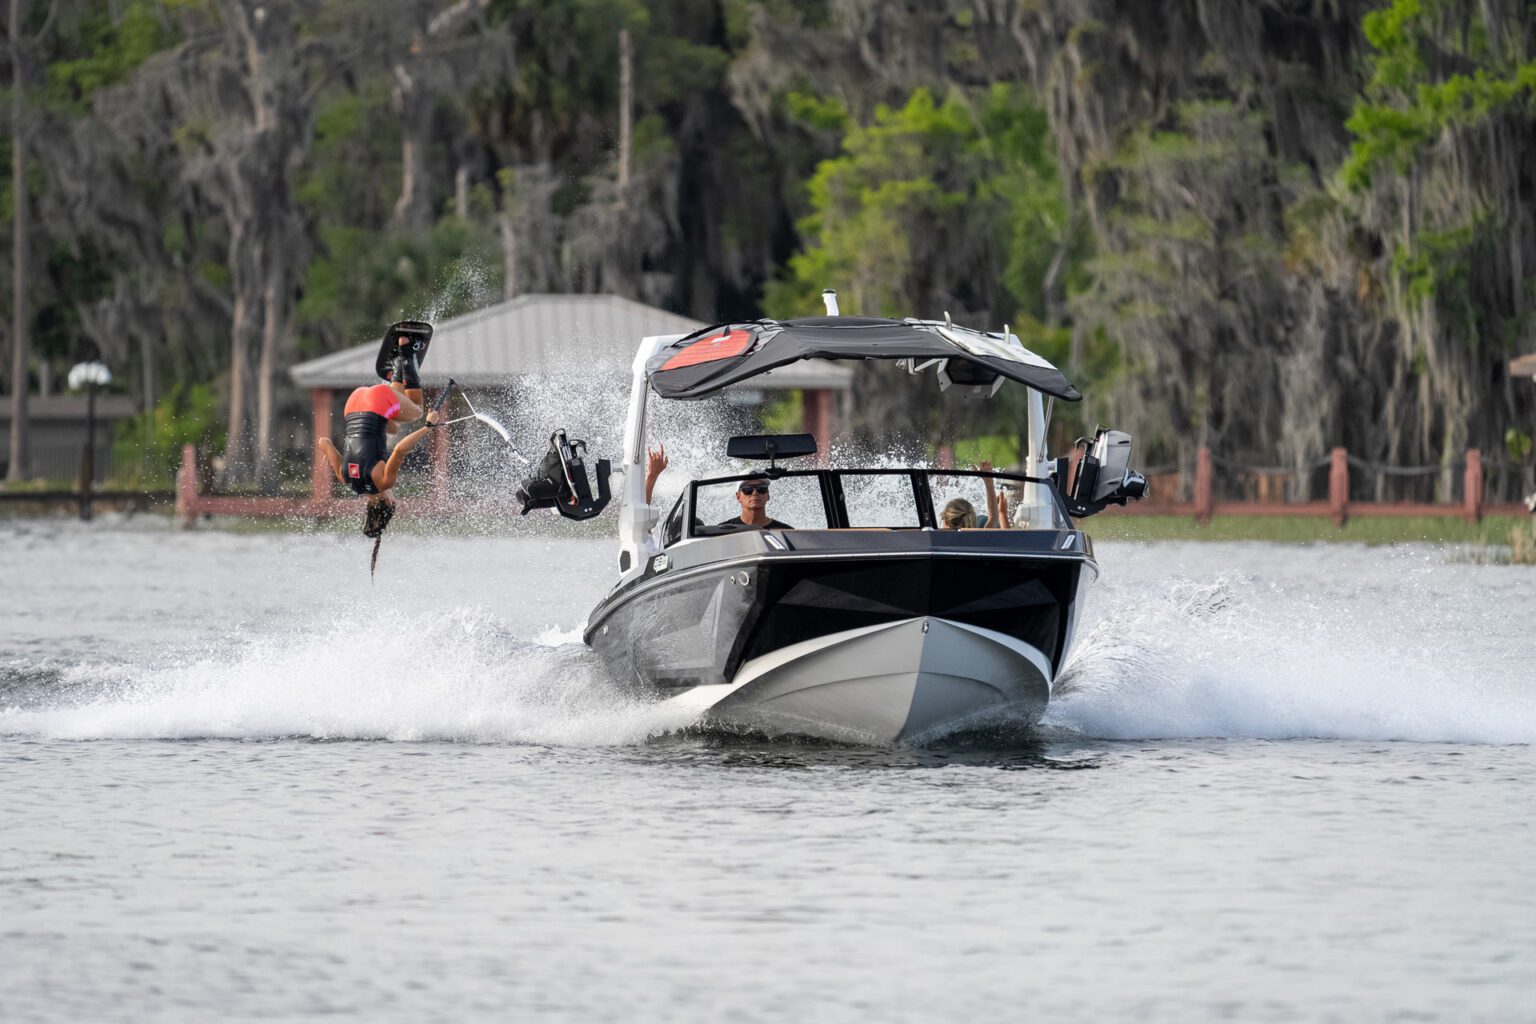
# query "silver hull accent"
(896, 682)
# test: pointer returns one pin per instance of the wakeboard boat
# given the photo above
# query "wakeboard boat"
(864, 622)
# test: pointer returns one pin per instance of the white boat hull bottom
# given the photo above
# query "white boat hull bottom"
(897, 682)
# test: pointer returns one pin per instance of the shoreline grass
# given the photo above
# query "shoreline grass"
(1280, 529)
(1495, 539)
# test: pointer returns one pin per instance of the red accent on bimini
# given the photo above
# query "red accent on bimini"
(711, 349)
(354, 471)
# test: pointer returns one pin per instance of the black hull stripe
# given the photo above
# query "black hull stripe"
(609, 605)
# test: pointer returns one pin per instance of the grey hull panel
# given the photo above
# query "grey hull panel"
(897, 682)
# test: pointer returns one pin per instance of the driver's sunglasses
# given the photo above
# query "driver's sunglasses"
(749, 489)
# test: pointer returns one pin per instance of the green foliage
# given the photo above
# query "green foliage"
(999, 449)
(917, 178)
(111, 48)
(1405, 107)
(784, 414)
(1517, 443)
(1289, 529)
(823, 114)
(366, 278)
(1436, 262)
(938, 202)
(566, 77)
(868, 204)
(353, 172)
(152, 441)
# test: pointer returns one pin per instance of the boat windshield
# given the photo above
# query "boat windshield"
(891, 499)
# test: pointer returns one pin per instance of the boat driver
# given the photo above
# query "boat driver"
(752, 496)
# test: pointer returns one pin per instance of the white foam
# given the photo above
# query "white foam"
(1378, 645)
(454, 676)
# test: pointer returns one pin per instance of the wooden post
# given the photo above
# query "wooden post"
(186, 486)
(321, 476)
(816, 418)
(88, 456)
(1205, 501)
(1472, 486)
(439, 448)
(1338, 487)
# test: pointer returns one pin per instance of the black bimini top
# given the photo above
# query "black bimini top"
(706, 361)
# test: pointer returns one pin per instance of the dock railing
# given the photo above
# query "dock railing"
(1339, 506)
(192, 504)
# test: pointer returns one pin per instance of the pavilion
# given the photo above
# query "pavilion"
(536, 334)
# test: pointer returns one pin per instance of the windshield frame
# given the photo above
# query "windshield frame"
(834, 503)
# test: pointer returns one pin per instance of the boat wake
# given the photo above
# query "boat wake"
(1258, 656)
(460, 678)
(1245, 658)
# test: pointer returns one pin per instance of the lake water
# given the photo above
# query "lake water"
(240, 782)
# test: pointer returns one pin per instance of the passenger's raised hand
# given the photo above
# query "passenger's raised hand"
(655, 461)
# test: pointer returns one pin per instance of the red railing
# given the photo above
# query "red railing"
(190, 503)
(1339, 506)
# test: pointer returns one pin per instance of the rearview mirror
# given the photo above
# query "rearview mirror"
(771, 446)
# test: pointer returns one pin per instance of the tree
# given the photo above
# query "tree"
(449, 46)
(931, 208)
(1440, 168)
(20, 52)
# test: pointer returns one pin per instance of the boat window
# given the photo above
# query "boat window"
(946, 487)
(794, 500)
(879, 499)
(1032, 505)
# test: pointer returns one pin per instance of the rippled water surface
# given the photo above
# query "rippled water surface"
(240, 782)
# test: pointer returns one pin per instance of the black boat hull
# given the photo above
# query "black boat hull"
(854, 636)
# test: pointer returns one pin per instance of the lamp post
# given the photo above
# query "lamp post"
(90, 376)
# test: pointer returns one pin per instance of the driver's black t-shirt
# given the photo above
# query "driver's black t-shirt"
(772, 524)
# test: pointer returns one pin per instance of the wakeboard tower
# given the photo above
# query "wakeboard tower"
(560, 481)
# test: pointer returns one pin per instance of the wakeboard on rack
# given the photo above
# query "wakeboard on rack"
(420, 335)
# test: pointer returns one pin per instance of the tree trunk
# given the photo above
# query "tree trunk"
(20, 342)
(419, 81)
(237, 446)
(508, 251)
(414, 207)
(265, 241)
(626, 104)
(273, 321)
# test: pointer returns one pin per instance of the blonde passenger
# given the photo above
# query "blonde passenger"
(959, 514)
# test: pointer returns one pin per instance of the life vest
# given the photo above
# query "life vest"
(367, 414)
(363, 449)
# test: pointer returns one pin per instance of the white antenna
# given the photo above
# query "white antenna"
(830, 298)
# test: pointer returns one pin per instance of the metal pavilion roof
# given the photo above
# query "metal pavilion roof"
(534, 334)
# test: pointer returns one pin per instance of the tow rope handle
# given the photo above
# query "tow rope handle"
(442, 396)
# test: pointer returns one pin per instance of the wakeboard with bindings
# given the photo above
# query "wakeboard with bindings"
(420, 335)
(560, 481)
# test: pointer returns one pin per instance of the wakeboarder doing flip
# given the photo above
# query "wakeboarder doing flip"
(374, 411)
